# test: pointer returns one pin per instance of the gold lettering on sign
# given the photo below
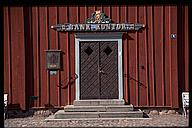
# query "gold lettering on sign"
(102, 27)
(76, 27)
(63, 27)
(108, 27)
(123, 27)
(88, 27)
(69, 27)
(98, 26)
(118, 27)
(82, 26)
(113, 26)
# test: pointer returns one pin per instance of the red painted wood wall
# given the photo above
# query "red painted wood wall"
(155, 66)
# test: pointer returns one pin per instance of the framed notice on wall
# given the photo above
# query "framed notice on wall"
(53, 59)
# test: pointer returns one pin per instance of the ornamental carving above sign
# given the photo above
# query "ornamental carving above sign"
(98, 22)
(98, 17)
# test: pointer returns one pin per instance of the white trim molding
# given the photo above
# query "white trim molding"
(103, 36)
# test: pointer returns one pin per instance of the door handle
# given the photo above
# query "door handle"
(101, 71)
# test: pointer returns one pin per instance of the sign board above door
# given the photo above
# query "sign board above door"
(98, 22)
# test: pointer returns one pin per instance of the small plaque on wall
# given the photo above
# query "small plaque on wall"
(53, 59)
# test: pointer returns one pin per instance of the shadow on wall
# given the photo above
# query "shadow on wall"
(132, 78)
(126, 35)
(13, 107)
(67, 82)
(14, 111)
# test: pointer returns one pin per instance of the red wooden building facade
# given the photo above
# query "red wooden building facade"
(155, 65)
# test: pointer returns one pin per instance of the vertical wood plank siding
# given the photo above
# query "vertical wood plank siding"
(15, 56)
(155, 67)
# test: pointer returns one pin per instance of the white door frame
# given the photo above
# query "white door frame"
(113, 36)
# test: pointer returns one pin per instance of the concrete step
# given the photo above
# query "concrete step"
(98, 102)
(68, 115)
(118, 108)
(61, 114)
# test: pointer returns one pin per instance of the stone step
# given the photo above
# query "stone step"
(98, 102)
(122, 108)
(61, 114)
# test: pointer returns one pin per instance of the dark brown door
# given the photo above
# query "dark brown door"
(99, 70)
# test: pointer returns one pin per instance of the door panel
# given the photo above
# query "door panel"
(99, 70)
(109, 70)
(89, 88)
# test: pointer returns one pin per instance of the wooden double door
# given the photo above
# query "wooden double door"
(98, 70)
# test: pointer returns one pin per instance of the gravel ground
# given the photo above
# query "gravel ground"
(169, 120)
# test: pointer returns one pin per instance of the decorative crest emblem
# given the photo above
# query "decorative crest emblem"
(98, 17)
